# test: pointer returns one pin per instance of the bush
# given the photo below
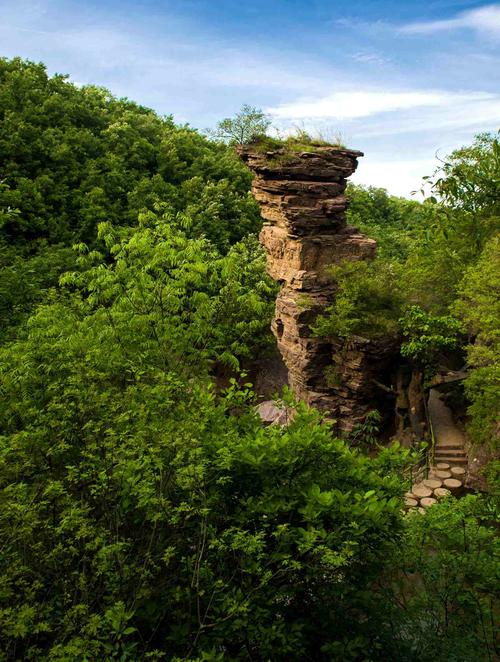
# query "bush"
(144, 515)
(443, 584)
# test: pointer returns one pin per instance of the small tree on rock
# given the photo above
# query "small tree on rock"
(248, 125)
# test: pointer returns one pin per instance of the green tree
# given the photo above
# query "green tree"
(394, 222)
(478, 306)
(469, 178)
(367, 303)
(427, 337)
(211, 308)
(467, 216)
(245, 127)
(443, 584)
(25, 279)
(76, 157)
(144, 514)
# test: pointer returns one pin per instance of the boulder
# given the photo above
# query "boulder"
(273, 413)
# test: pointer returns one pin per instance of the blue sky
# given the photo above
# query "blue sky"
(402, 81)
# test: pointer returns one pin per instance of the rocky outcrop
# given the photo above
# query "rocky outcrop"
(301, 195)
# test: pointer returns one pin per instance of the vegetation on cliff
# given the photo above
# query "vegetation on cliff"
(145, 513)
(434, 281)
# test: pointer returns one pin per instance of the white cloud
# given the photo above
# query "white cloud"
(370, 58)
(483, 19)
(356, 104)
(400, 132)
(392, 109)
(179, 57)
(473, 112)
(400, 177)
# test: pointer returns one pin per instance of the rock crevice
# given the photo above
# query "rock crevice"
(302, 201)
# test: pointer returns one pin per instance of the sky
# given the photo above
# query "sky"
(403, 81)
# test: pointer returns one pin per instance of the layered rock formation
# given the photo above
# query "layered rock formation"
(301, 195)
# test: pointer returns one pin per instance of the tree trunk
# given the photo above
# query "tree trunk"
(416, 404)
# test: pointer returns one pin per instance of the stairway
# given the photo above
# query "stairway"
(449, 440)
(444, 480)
(454, 455)
(448, 473)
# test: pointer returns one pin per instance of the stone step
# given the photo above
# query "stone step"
(454, 460)
(453, 484)
(441, 492)
(458, 472)
(440, 475)
(459, 463)
(448, 455)
(420, 491)
(439, 453)
(445, 448)
(433, 483)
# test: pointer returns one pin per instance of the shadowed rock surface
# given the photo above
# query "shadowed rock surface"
(301, 195)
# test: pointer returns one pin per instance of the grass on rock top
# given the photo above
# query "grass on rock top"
(296, 143)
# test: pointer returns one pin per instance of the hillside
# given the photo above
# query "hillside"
(146, 513)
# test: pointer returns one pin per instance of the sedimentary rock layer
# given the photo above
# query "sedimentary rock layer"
(301, 195)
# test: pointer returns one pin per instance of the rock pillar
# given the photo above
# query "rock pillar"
(301, 195)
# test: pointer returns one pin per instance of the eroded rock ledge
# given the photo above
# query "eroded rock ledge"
(301, 195)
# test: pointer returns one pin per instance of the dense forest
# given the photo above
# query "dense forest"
(145, 511)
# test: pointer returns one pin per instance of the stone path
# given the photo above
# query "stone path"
(447, 475)
(443, 480)
(449, 439)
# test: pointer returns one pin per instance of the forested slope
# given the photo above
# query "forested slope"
(146, 514)
(76, 157)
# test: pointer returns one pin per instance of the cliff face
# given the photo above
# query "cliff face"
(301, 195)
